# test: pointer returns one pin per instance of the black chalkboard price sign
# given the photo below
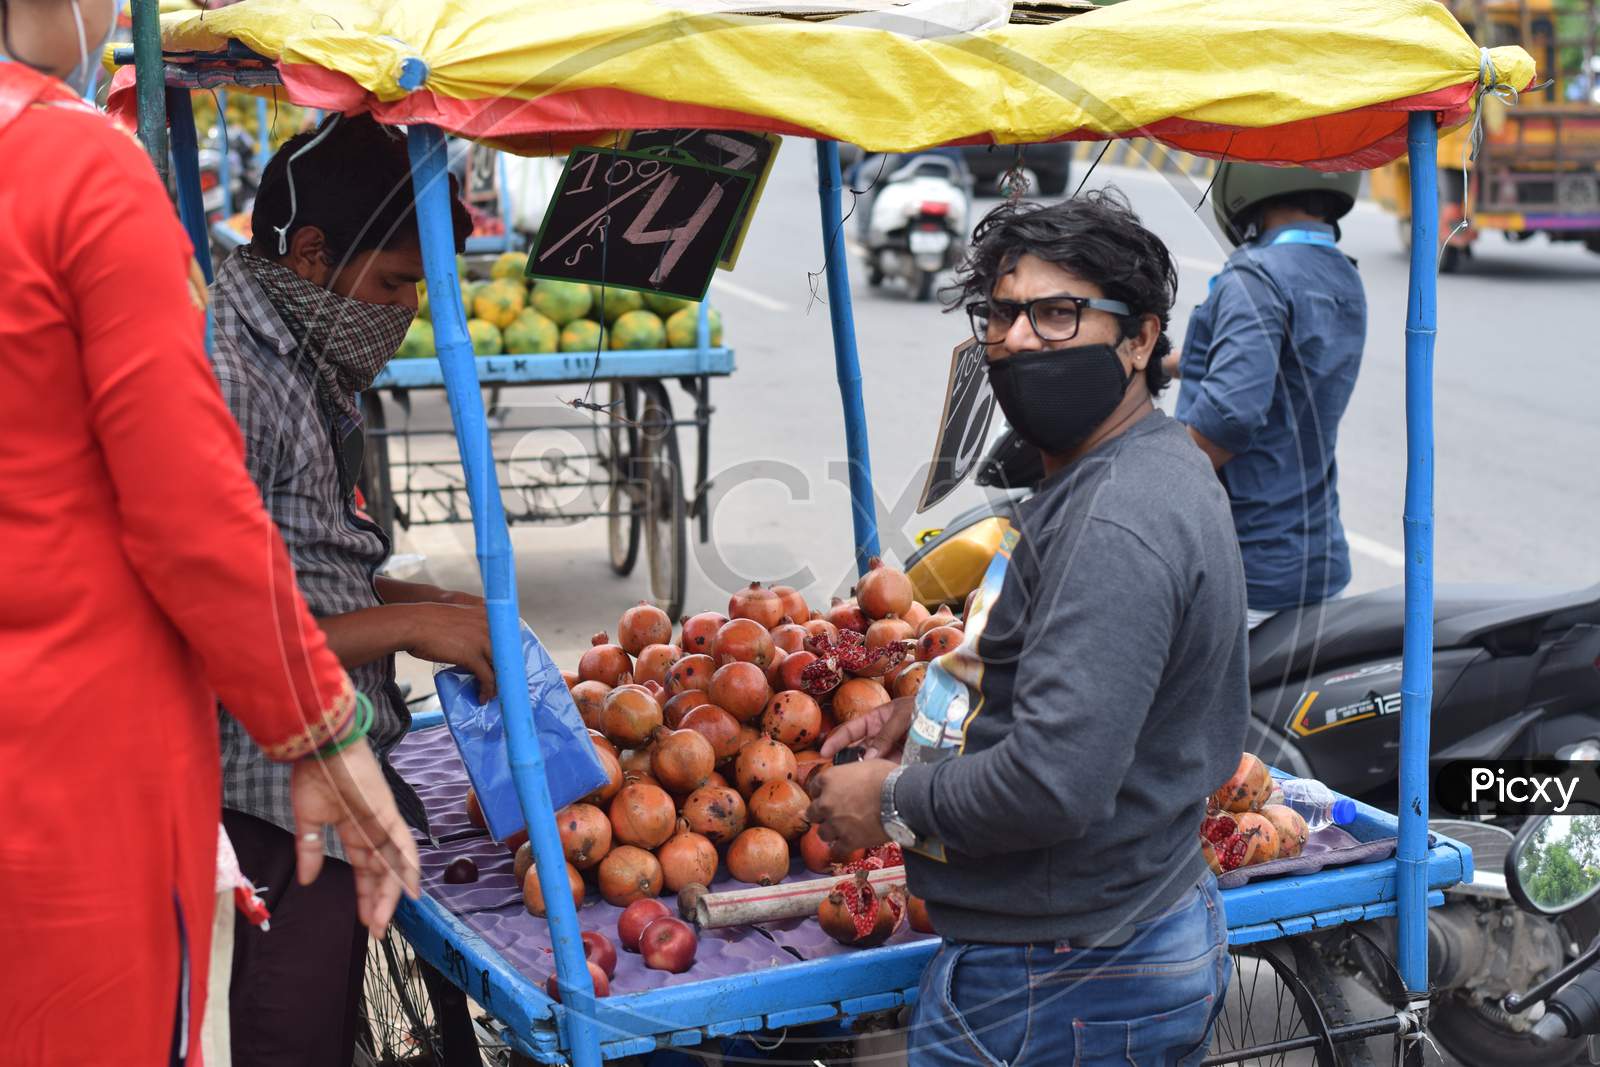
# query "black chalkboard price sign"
(639, 220)
(747, 153)
(963, 426)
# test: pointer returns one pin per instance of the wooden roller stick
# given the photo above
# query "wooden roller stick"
(762, 904)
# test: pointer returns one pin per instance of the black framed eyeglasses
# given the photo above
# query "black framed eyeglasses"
(1053, 318)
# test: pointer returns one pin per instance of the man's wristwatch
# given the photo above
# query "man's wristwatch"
(889, 815)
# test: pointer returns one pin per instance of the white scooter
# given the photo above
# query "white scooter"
(917, 223)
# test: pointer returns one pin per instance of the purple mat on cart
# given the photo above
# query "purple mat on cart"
(492, 906)
(1328, 847)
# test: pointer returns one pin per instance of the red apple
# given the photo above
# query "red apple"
(635, 917)
(602, 984)
(599, 950)
(668, 944)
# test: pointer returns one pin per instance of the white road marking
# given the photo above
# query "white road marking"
(765, 303)
(1376, 550)
(1210, 266)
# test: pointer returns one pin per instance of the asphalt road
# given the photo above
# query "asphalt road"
(1517, 499)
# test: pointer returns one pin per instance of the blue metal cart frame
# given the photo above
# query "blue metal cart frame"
(584, 1030)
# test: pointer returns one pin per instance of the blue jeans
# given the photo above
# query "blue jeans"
(1148, 1003)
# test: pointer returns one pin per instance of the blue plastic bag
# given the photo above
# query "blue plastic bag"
(571, 767)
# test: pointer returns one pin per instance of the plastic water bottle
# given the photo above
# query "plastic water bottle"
(1318, 805)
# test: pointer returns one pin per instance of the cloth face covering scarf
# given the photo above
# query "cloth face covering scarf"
(1055, 398)
(347, 340)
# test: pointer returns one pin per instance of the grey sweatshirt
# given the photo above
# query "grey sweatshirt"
(1111, 699)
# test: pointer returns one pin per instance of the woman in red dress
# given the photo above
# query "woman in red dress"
(143, 580)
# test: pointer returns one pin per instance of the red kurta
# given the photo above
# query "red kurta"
(142, 580)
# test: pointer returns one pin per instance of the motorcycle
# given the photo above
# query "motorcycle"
(917, 223)
(1516, 676)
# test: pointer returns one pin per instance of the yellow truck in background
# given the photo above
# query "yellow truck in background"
(1538, 170)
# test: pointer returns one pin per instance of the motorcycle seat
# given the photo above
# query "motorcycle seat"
(1337, 632)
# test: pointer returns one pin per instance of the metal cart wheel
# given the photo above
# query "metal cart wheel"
(1279, 991)
(666, 513)
(374, 481)
(411, 1016)
(621, 443)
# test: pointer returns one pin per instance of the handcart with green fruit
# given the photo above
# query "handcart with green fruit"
(1268, 80)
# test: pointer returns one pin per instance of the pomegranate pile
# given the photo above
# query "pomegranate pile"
(710, 731)
(1246, 824)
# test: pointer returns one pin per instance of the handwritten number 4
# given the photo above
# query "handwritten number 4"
(676, 238)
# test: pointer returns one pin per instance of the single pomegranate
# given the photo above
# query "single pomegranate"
(654, 662)
(759, 856)
(533, 892)
(916, 615)
(680, 705)
(781, 805)
(889, 630)
(790, 637)
(602, 983)
(760, 605)
(917, 912)
(761, 761)
(806, 764)
(792, 718)
(1248, 788)
(852, 914)
(717, 727)
(1254, 824)
(604, 662)
(635, 917)
(668, 944)
(635, 761)
(598, 950)
(691, 672)
(747, 734)
(516, 841)
(585, 834)
(600, 740)
(740, 689)
(937, 641)
(643, 815)
(909, 680)
(681, 760)
(715, 778)
(630, 715)
(774, 668)
(1218, 826)
(1290, 827)
(475, 810)
(461, 871)
(884, 591)
(817, 854)
(851, 654)
(1235, 851)
(856, 697)
(628, 874)
(687, 858)
(943, 617)
(590, 697)
(613, 767)
(641, 625)
(847, 615)
(794, 605)
(746, 641)
(522, 861)
(716, 813)
(820, 627)
(790, 670)
(699, 633)
(571, 678)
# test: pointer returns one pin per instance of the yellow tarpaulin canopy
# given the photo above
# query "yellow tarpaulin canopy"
(1278, 80)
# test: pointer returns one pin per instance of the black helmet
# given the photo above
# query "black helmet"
(1242, 186)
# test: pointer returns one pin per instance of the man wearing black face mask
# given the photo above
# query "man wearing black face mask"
(306, 316)
(1049, 778)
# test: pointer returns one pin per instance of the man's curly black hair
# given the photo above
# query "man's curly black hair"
(1096, 236)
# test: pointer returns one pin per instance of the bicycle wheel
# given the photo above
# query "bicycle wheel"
(413, 1017)
(1280, 991)
(623, 511)
(667, 519)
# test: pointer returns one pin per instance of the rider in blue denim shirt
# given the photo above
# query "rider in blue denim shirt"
(1267, 369)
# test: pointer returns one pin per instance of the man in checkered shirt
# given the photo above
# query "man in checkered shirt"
(306, 316)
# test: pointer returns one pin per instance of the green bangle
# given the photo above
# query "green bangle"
(363, 723)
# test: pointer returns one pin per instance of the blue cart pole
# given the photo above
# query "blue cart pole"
(186, 169)
(846, 363)
(1416, 682)
(495, 563)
